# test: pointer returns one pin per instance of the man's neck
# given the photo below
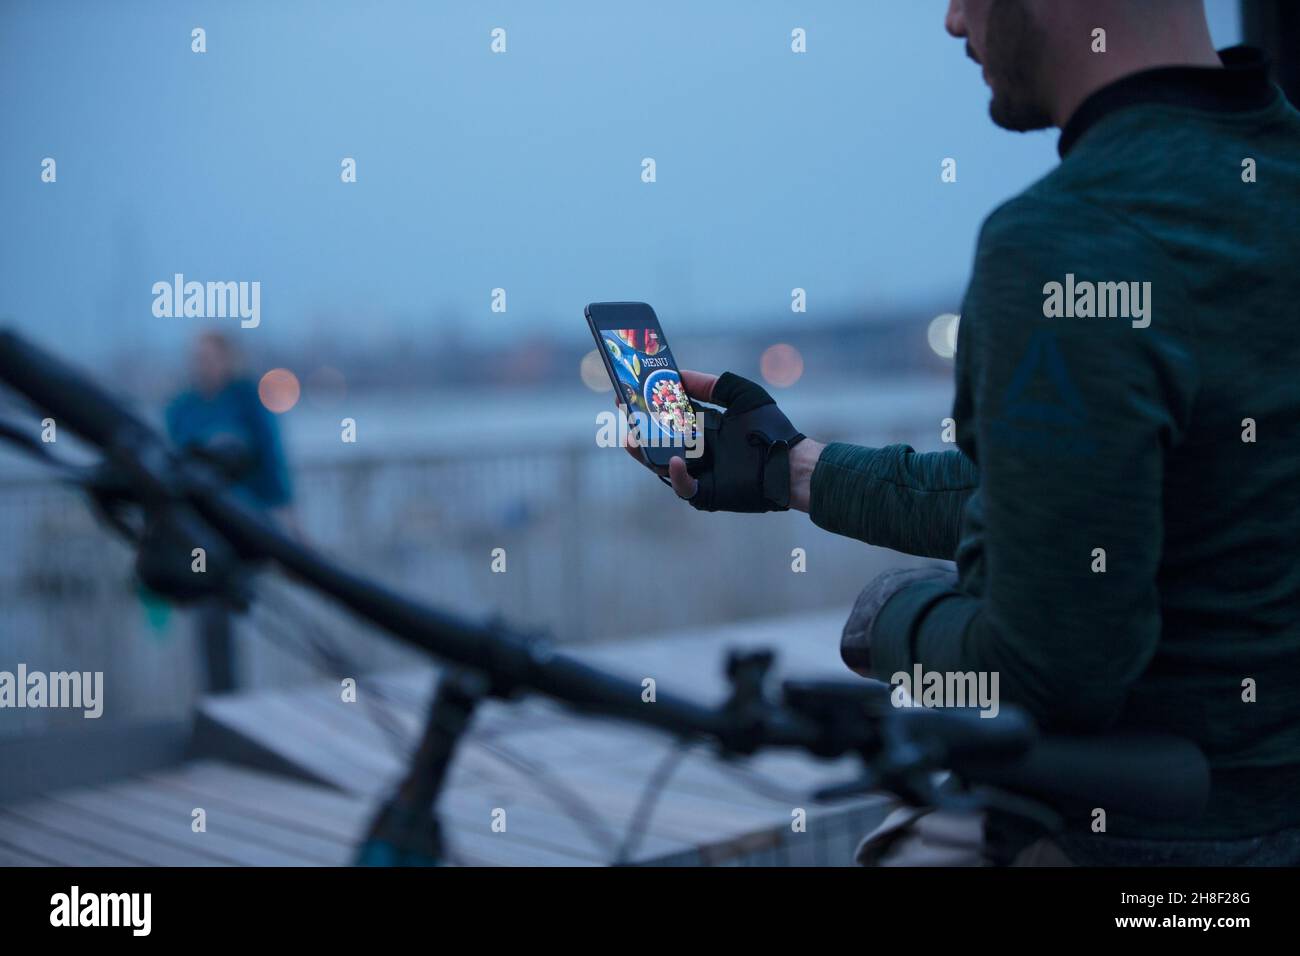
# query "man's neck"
(1079, 73)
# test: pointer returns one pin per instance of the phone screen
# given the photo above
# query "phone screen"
(645, 376)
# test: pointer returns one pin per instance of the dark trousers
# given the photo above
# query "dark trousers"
(216, 635)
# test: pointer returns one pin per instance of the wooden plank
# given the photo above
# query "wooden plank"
(347, 816)
(701, 820)
(482, 847)
(291, 809)
(355, 725)
(273, 722)
(60, 850)
(467, 825)
(229, 819)
(414, 684)
(473, 848)
(359, 719)
(413, 690)
(577, 742)
(351, 754)
(128, 835)
(171, 819)
(538, 820)
(293, 804)
(12, 856)
(784, 777)
(679, 818)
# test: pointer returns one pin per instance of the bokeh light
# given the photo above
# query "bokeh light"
(279, 390)
(942, 334)
(781, 365)
(593, 373)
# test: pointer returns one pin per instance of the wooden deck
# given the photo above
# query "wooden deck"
(292, 778)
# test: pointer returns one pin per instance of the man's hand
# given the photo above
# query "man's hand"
(754, 459)
(699, 386)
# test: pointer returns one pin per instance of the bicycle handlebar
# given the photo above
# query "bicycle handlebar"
(67, 394)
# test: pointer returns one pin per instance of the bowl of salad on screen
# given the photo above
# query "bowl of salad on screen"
(669, 405)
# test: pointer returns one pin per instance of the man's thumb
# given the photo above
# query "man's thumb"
(683, 484)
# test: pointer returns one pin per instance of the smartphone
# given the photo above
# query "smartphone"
(646, 380)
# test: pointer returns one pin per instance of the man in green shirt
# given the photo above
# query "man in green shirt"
(1124, 509)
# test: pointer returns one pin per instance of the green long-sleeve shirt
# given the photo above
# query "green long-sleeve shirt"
(1166, 446)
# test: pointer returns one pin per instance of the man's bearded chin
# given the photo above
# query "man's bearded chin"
(1013, 53)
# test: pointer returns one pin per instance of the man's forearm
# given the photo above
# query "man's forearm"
(891, 497)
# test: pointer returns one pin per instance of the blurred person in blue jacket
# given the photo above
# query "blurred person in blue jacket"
(220, 418)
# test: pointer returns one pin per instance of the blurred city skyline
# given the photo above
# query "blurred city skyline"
(478, 170)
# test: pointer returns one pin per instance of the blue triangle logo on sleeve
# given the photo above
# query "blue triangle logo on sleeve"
(1040, 390)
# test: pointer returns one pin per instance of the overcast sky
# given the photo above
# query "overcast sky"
(520, 170)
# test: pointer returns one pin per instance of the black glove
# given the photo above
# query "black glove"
(746, 462)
